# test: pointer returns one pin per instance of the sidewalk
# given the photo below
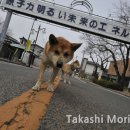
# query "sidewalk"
(9, 61)
(125, 92)
(18, 63)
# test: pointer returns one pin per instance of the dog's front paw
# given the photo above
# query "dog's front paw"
(36, 88)
(50, 88)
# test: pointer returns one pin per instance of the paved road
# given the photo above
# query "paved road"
(15, 79)
(79, 98)
(87, 100)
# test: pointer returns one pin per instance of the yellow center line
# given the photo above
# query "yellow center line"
(26, 111)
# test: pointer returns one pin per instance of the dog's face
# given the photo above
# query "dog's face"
(76, 64)
(61, 51)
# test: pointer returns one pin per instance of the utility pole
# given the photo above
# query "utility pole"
(31, 28)
(39, 28)
(32, 53)
(28, 38)
(82, 62)
(5, 28)
(82, 58)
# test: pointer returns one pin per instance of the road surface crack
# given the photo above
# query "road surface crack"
(21, 114)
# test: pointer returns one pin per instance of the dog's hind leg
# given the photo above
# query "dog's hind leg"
(62, 75)
(50, 85)
(65, 78)
(69, 82)
(41, 76)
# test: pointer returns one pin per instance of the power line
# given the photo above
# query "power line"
(49, 23)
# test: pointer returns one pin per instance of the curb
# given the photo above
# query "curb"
(104, 87)
(110, 89)
(8, 61)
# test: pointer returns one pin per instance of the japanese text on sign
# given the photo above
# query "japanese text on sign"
(72, 18)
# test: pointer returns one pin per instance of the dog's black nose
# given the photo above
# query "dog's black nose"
(59, 64)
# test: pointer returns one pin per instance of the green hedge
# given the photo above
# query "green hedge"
(108, 84)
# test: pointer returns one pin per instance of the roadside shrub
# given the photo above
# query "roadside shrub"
(108, 84)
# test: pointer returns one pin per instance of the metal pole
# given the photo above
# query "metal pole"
(39, 28)
(81, 64)
(31, 28)
(28, 38)
(5, 28)
(0, 1)
(31, 56)
(82, 59)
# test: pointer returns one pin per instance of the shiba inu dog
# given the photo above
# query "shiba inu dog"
(68, 70)
(57, 52)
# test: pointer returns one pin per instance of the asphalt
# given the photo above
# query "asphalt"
(15, 79)
(87, 100)
(80, 98)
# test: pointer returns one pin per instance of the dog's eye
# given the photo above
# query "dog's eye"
(57, 52)
(66, 54)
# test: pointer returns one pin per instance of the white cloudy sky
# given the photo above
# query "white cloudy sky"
(21, 26)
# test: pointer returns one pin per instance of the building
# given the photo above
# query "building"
(33, 56)
(88, 68)
(16, 51)
(112, 73)
(8, 50)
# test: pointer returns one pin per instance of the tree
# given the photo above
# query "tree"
(102, 50)
(122, 12)
(119, 51)
(99, 58)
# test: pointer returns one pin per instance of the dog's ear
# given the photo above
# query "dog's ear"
(76, 61)
(75, 46)
(52, 39)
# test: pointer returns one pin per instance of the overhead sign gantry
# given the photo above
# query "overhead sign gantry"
(70, 17)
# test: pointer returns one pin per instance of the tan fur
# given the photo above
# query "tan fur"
(68, 70)
(57, 52)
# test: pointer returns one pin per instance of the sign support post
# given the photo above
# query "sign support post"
(5, 28)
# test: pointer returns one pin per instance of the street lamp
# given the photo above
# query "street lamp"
(35, 41)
